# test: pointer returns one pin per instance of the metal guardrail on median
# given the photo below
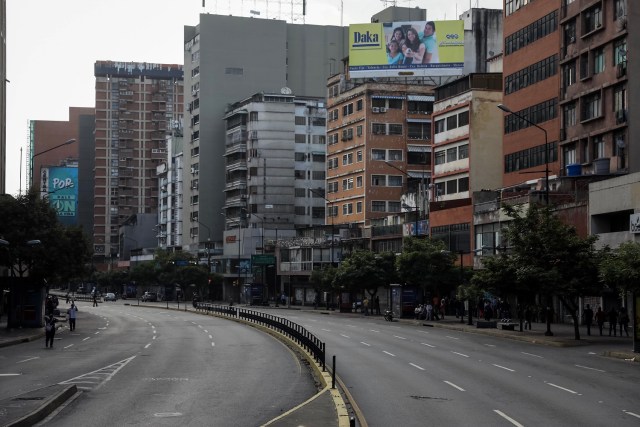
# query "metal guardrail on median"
(292, 330)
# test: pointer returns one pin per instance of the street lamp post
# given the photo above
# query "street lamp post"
(67, 142)
(546, 148)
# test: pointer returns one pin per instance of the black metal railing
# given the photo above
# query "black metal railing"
(297, 333)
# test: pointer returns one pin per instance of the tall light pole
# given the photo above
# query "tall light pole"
(333, 231)
(67, 142)
(546, 148)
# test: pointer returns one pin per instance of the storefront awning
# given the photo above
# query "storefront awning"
(387, 97)
(419, 175)
(425, 98)
(418, 120)
(418, 148)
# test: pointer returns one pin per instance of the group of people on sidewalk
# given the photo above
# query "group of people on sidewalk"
(50, 324)
(616, 318)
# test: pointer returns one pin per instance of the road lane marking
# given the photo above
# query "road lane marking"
(532, 355)
(364, 343)
(200, 326)
(416, 366)
(154, 337)
(453, 338)
(210, 337)
(213, 344)
(346, 336)
(459, 354)
(399, 337)
(147, 346)
(326, 330)
(454, 386)
(428, 345)
(508, 418)
(562, 388)
(390, 354)
(505, 368)
(591, 369)
(373, 330)
(206, 332)
(490, 345)
(631, 413)
(9, 375)
(26, 360)
(86, 338)
(96, 333)
(70, 345)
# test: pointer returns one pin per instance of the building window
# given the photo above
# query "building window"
(598, 147)
(378, 128)
(378, 180)
(347, 184)
(452, 122)
(463, 118)
(347, 109)
(591, 106)
(301, 138)
(463, 151)
(569, 74)
(358, 207)
(394, 181)
(359, 155)
(598, 60)
(440, 157)
(347, 209)
(584, 66)
(378, 206)
(395, 129)
(569, 115)
(463, 184)
(569, 32)
(620, 51)
(359, 105)
(347, 159)
(619, 9)
(529, 158)
(300, 120)
(377, 154)
(620, 98)
(452, 154)
(418, 130)
(394, 207)
(439, 126)
(359, 181)
(359, 130)
(395, 155)
(396, 104)
(302, 157)
(592, 19)
(532, 32)
(569, 154)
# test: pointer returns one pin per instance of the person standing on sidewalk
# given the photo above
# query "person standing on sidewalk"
(528, 317)
(600, 316)
(95, 300)
(72, 312)
(613, 321)
(624, 321)
(588, 318)
(376, 305)
(49, 330)
(365, 305)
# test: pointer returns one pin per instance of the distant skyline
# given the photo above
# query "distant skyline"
(52, 46)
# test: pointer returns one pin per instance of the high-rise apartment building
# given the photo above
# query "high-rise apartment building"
(594, 92)
(531, 81)
(137, 107)
(268, 55)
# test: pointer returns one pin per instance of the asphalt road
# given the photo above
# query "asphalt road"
(402, 374)
(143, 366)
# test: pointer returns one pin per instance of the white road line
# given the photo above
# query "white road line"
(86, 338)
(373, 330)
(9, 375)
(194, 323)
(206, 332)
(532, 355)
(390, 354)
(459, 354)
(346, 336)
(26, 360)
(508, 418)
(154, 337)
(453, 338)
(96, 333)
(591, 369)
(70, 345)
(416, 366)
(562, 388)
(423, 332)
(148, 345)
(399, 337)
(351, 326)
(454, 386)
(210, 337)
(213, 344)
(490, 345)
(428, 345)
(200, 326)
(364, 343)
(631, 413)
(502, 367)
(326, 330)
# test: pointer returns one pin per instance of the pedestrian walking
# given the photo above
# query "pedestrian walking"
(365, 305)
(49, 330)
(613, 321)
(376, 305)
(72, 313)
(95, 300)
(588, 318)
(600, 317)
(624, 321)
(528, 317)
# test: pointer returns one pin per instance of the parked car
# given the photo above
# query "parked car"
(109, 296)
(150, 296)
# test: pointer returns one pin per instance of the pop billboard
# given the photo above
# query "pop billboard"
(60, 186)
(415, 48)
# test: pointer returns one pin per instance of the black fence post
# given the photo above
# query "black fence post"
(333, 373)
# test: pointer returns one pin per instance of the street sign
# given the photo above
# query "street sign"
(263, 259)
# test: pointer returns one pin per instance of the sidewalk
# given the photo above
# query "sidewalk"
(321, 410)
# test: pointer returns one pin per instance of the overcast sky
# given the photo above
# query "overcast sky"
(52, 46)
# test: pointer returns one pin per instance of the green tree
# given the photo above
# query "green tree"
(426, 264)
(545, 257)
(365, 271)
(620, 267)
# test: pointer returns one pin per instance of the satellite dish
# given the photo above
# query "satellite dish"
(285, 91)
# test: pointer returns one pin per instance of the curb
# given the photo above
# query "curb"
(50, 404)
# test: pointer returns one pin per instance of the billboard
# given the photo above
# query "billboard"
(415, 48)
(60, 186)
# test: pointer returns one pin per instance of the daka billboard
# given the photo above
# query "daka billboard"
(416, 48)
(60, 186)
